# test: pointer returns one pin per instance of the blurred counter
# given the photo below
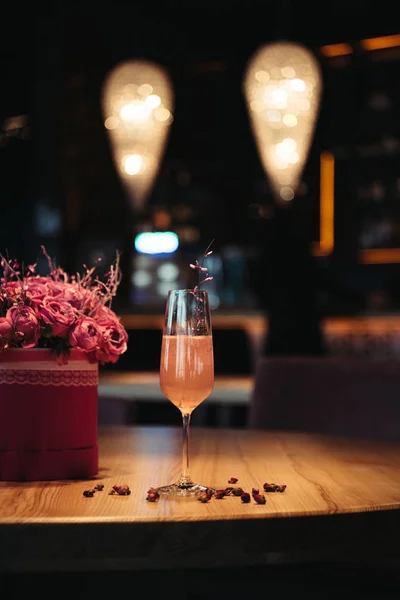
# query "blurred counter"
(130, 392)
(368, 335)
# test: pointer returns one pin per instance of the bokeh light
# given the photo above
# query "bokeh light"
(282, 87)
(137, 99)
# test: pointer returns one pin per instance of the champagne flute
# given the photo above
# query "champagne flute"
(186, 368)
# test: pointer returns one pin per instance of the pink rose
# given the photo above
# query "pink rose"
(114, 341)
(38, 279)
(104, 316)
(75, 294)
(85, 335)
(13, 289)
(55, 288)
(6, 332)
(59, 315)
(25, 323)
(35, 290)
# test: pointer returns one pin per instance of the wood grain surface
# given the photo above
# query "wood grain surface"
(342, 500)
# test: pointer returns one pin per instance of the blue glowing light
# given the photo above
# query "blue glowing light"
(156, 242)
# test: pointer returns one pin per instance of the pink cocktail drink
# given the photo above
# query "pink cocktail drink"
(187, 369)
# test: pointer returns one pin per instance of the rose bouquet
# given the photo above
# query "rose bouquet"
(61, 312)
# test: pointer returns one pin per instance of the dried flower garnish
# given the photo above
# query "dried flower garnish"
(121, 490)
(204, 497)
(259, 498)
(219, 494)
(201, 327)
(152, 495)
(89, 493)
(99, 487)
(273, 487)
(233, 480)
(202, 271)
(207, 495)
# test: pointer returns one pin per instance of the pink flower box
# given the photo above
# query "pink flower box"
(55, 330)
(48, 424)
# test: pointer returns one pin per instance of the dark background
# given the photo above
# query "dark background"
(57, 182)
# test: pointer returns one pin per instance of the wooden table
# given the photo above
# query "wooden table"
(342, 501)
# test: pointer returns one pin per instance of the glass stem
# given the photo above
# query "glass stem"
(185, 477)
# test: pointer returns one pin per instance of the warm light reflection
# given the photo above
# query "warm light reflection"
(376, 256)
(137, 101)
(380, 43)
(327, 206)
(368, 44)
(332, 50)
(325, 245)
(282, 87)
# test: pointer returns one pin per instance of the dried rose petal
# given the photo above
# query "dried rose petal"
(269, 487)
(99, 487)
(228, 491)
(237, 491)
(254, 491)
(122, 490)
(233, 480)
(273, 487)
(152, 497)
(259, 498)
(245, 497)
(219, 494)
(89, 493)
(204, 498)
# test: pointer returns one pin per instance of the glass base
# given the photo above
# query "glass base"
(178, 489)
